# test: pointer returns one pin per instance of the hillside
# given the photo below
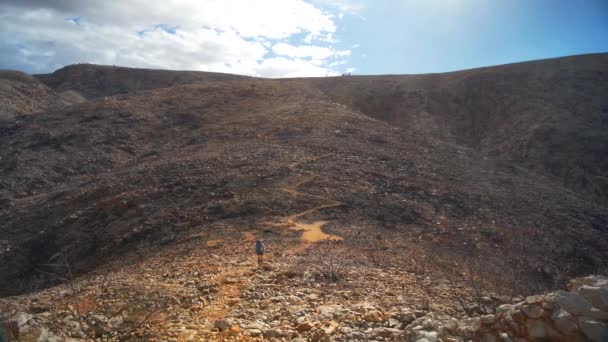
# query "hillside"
(549, 116)
(93, 81)
(420, 182)
(23, 94)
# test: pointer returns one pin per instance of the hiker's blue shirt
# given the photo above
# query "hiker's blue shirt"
(259, 246)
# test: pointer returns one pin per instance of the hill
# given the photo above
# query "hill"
(549, 116)
(418, 182)
(93, 81)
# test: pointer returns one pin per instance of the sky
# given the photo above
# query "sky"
(292, 38)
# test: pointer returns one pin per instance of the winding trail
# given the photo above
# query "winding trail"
(312, 232)
(232, 280)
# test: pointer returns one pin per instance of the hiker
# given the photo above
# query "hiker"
(259, 250)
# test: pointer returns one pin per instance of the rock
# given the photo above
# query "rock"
(253, 332)
(374, 316)
(346, 330)
(487, 319)
(533, 311)
(419, 313)
(223, 324)
(393, 322)
(22, 319)
(564, 322)
(517, 299)
(536, 329)
(273, 333)
(116, 321)
(357, 336)
(534, 299)
(424, 336)
(37, 308)
(305, 326)
(504, 337)
(404, 317)
(597, 296)
(571, 302)
(503, 309)
(39, 334)
(594, 330)
(196, 307)
(234, 330)
(592, 280)
(386, 333)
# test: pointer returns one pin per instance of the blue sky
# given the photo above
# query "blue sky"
(287, 38)
(434, 36)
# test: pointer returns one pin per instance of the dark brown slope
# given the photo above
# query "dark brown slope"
(132, 172)
(92, 80)
(23, 94)
(550, 116)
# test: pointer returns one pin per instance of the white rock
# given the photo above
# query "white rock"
(592, 280)
(22, 319)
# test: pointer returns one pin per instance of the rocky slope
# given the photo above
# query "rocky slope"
(23, 94)
(146, 198)
(93, 81)
(549, 116)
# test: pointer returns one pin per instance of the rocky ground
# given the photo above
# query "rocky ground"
(212, 289)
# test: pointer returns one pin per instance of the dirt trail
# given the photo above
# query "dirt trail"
(312, 232)
(232, 280)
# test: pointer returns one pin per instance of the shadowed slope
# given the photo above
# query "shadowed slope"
(550, 116)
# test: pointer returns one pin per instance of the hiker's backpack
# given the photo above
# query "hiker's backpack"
(259, 247)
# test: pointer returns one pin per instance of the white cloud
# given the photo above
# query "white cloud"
(215, 35)
(344, 6)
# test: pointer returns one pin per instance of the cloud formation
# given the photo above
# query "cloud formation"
(270, 38)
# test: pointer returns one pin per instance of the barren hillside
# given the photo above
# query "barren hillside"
(160, 175)
(549, 116)
(100, 80)
(23, 94)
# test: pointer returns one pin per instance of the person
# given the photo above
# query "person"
(259, 250)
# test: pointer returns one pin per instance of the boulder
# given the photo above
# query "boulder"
(571, 302)
(564, 322)
(597, 296)
(594, 330)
